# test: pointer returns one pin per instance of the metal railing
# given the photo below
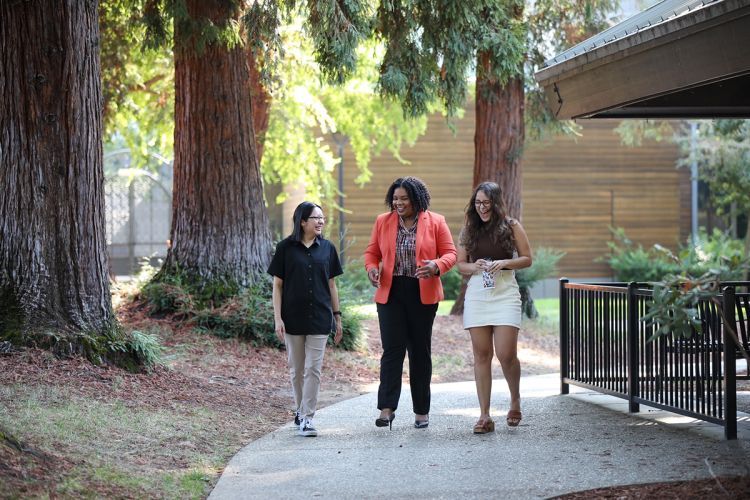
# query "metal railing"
(605, 346)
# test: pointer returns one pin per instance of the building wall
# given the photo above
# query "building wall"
(574, 189)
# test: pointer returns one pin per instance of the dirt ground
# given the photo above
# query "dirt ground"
(249, 387)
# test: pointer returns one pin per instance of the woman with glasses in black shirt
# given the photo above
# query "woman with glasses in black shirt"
(306, 306)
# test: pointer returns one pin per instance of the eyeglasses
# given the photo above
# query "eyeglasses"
(318, 218)
(483, 204)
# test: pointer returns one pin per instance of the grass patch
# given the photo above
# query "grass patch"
(447, 363)
(549, 310)
(444, 307)
(112, 437)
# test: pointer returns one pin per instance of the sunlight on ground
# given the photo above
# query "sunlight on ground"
(539, 358)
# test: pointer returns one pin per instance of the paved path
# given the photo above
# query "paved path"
(564, 444)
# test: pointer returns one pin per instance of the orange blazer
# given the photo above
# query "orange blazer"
(434, 242)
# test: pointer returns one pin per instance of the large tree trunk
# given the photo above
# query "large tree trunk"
(219, 220)
(260, 101)
(53, 257)
(498, 142)
(499, 137)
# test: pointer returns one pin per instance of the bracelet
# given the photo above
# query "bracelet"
(337, 313)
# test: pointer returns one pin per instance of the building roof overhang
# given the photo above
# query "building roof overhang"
(678, 59)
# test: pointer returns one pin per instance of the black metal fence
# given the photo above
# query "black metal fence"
(605, 346)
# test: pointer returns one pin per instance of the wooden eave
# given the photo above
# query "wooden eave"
(696, 64)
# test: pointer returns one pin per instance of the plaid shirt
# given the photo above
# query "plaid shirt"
(406, 249)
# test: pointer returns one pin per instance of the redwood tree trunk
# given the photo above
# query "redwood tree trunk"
(499, 137)
(498, 142)
(260, 102)
(219, 220)
(53, 257)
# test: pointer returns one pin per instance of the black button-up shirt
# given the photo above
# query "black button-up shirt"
(306, 297)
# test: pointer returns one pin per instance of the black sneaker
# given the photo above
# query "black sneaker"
(306, 428)
(297, 420)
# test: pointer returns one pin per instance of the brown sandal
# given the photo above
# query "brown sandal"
(513, 418)
(484, 426)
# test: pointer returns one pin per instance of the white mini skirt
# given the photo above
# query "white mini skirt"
(498, 306)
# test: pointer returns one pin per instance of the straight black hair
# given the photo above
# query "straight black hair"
(301, 213)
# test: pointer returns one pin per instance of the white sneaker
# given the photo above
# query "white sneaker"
(306, 428)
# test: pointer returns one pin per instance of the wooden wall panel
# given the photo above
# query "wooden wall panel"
(574, 189)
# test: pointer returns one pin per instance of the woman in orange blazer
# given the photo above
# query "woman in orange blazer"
(410, 247)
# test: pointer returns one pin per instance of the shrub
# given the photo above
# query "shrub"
(147, 348)
(631, 262)
(354, 286)
(544, 265)
(451, 284)
(222, 309)
(717, 251)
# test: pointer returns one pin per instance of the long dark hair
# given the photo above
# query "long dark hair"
(415, 188)
(498, 227)
(301, 213)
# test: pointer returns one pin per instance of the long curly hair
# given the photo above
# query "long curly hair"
(415, 188)
(498, 227)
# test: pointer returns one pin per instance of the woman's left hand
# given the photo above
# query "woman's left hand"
(339, 331)
(428, 269)
(496, 265)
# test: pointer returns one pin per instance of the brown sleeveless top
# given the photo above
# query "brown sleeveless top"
(486, 249)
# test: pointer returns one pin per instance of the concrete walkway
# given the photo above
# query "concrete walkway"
(564, 444)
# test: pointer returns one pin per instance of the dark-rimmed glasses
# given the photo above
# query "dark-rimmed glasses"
(483, 203)
(318, 218)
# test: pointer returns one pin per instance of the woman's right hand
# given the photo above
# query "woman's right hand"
(374, 277)
(280, 329)
(480, 265)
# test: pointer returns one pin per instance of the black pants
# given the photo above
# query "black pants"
(405, 326)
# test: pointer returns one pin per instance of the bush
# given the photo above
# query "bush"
(544, 265)
(631, 262)
(713, 252)
(354, 286)
(716, 252)
(452, 281)
(223, 310)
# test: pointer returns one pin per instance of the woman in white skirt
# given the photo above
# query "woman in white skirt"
(492, 247)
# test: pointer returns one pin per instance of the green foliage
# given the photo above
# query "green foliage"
(675, 304)
(337, 28)
(631, 262)
(544, 265)
(452, 281)
(147, 348)
(354, 287)
(554, 26)
(431, 48)
(722, 152)
(716, 253)
(351, 324)
(247, 316)
(719, 148)
(168, 295)
(306, 113)
(222, 309)
(138, 86)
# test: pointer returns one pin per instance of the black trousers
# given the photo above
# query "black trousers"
(405, 326)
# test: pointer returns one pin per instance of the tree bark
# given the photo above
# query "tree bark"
(53, 257)
(260, 101)
(499, 136)
(219, 220)
(498, 142)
